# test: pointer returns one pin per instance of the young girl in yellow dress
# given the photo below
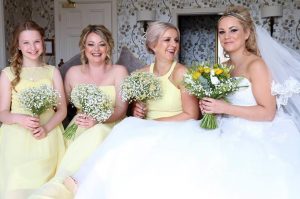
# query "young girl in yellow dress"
(30, 147)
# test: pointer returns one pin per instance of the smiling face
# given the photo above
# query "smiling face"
(96, 48)
(232, 34)
(167, 45)
(31, 45)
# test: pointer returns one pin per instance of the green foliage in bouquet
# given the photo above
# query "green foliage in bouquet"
(214, 82)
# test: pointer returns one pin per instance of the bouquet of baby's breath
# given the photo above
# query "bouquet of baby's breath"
(91, 101)
(214, 82)
(140, 86)
(37, 100)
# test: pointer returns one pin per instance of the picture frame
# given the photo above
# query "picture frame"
(49, 47)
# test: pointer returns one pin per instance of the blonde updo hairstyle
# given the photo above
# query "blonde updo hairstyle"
(156, 30)
(16, 60)
(243, 15)
(104, 33)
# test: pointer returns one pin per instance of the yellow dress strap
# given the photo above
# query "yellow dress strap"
(151, 68)
(171, 69)
(9, 73)
(168, 73)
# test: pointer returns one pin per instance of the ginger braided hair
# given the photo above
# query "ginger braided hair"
(16, 60)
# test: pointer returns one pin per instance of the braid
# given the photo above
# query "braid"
(16, 65)
(16, 54)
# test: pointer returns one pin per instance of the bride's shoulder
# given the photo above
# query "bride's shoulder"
(257, 66)
(258, 71)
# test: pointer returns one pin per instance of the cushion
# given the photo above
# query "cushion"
(128, 60)
(71, 62)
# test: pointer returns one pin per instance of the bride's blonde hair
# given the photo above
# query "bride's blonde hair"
(243, 15)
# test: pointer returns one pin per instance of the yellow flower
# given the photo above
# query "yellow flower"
(206, 70)
(200, 69)
(218, 71)
(196, 75)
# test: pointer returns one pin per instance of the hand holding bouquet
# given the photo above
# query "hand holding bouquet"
(37, 100)
(204, 81)
(92, 102)
(140, 86)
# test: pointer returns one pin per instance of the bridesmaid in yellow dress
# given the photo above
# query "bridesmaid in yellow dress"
(96, 44)
(176, 104)
(97, 178)
(30, 147)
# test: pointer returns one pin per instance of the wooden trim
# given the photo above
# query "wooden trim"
(2, 37)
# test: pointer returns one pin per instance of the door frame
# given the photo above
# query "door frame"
(114, 30)
(2, 37)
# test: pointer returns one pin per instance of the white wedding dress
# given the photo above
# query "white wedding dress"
(242, 159)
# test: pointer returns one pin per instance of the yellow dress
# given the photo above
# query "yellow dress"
(85, 143)
(117, 169)
(25, 162)
(170, 103)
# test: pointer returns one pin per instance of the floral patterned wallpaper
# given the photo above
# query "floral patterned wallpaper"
(130, 32)
(14, 14)
(286, 29)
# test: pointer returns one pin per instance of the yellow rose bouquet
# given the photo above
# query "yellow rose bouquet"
(214, 82)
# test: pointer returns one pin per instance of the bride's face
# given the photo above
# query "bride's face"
(232, 34)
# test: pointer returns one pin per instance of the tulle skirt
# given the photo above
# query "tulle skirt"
(151, 159)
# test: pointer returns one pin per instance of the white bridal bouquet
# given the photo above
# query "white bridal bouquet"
(140, 86)
(214, 82)
(91, 101)
(37, 100)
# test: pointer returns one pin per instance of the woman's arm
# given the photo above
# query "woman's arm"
(190, 108)
(265, 109)
(6, 116)
(120, 109)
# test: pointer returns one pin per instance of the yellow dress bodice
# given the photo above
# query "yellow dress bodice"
(170, 103)
(26, 162)
(30, 77)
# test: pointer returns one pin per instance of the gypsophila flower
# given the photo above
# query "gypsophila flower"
(91, 101)
(214, 82)
(37, 100)
(140, 86)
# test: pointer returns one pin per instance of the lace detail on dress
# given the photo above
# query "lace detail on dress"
(284, 91)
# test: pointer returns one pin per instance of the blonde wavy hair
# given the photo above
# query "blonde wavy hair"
(103, 32)
(243, 15)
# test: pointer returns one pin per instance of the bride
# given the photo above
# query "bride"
(255, 152)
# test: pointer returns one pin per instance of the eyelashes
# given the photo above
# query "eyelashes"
(94, 45)
(169, 39)
(221, 32)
